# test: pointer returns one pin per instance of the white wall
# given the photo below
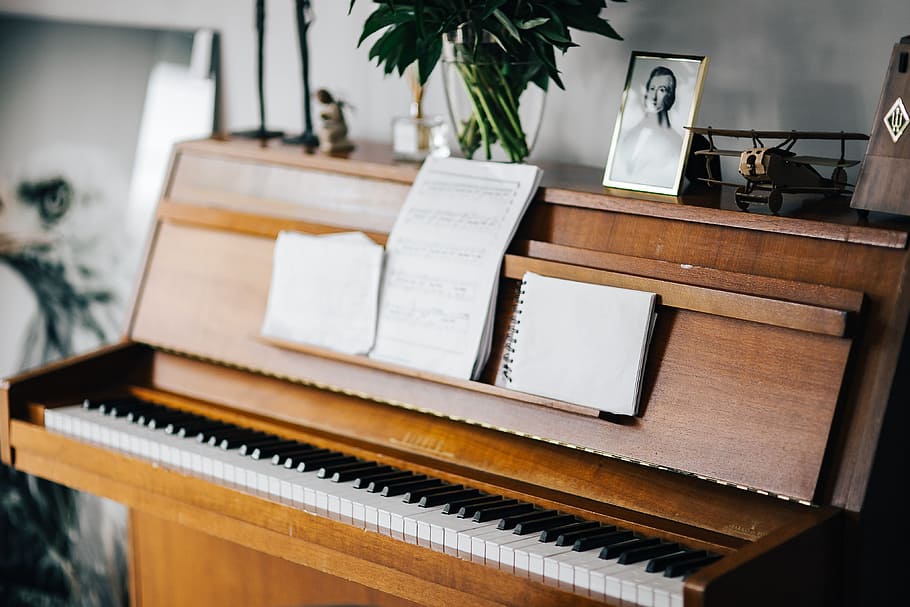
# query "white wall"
(775, 64)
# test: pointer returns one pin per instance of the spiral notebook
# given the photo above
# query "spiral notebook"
(579, 342)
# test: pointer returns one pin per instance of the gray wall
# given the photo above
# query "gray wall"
(775, 64)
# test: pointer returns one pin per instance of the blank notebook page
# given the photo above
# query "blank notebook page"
(579, 342)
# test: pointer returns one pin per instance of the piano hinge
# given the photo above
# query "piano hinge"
(411, 407)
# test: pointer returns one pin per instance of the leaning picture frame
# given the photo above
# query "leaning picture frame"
(650, 143)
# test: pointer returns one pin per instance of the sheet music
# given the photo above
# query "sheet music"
(443, 262)
(325, 290)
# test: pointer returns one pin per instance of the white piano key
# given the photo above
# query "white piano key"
(581, 572)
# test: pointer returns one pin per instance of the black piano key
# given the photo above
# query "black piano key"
(491, 513)
(90, 404)
(364, 480)
(313, 464)
(123, 408)
(247, 447)
(538, 525)
(229, 430)
(328, 470)
(142, 415)
(122, 405)
(438, 499)
(413, 497)
(293, 451)
(690, 566)
(377, 485)
(159, 420)
(187, 425)
(217, 436)
(605, 538)
(658, 564)
(551, 535)
(509, 522)
(614, 550)
(232, 442)
(291, 461)
(266, 451)
(569, 537)
(394, 488)
(193, 429)
(131, 411)
(207, 435)
(646, 553)
(345, 476)
(467, 508)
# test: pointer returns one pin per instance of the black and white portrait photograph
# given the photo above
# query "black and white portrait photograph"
(650, 141)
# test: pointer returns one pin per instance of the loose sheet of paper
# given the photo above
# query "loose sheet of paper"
(443, 260)
(325, 290)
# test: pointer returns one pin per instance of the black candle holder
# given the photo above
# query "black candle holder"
(308, 139)
(261, 132)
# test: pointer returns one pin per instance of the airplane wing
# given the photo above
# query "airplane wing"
(829, 135)
(717, 152)
(710, 181)
(822, 161)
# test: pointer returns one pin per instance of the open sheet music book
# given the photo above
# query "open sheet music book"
(580, 343)
(443, 260)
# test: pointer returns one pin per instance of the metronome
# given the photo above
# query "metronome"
(883, 184)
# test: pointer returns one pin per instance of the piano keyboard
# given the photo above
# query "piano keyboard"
(585, 557)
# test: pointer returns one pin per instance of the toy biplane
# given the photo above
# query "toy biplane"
(771, 171)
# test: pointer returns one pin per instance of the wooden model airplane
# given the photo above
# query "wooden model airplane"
(771, 171)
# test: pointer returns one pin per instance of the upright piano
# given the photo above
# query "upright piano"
(742, 481)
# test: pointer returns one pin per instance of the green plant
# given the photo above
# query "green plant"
(523, 37)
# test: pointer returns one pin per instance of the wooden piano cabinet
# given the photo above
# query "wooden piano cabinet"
(176, 565)
(773, 362)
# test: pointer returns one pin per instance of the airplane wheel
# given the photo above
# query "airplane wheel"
(738, 198)
(775, 200)
(839, 177)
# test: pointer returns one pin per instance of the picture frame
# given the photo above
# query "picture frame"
(650, 143)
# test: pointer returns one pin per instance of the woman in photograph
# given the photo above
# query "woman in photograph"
(648, 153)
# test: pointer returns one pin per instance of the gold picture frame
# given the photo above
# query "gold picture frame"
(650, 142)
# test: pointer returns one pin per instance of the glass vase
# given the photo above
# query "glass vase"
(493, 107)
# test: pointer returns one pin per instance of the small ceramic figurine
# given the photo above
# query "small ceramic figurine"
(333, 136)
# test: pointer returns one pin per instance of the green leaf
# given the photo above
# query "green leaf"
(532, 23)
(491, 6)
(387, 49)
(507, 23)
(383, 17)
(427, 60)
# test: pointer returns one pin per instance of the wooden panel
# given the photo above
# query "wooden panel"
(169, 558)
(284, 191)
(763, 286)
(896, 239)
(879, 272)
(825, 321)
(751, 389)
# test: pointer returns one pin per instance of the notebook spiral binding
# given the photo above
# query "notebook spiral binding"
(512, 336)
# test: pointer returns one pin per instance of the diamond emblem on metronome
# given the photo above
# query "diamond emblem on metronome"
(896, 120)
